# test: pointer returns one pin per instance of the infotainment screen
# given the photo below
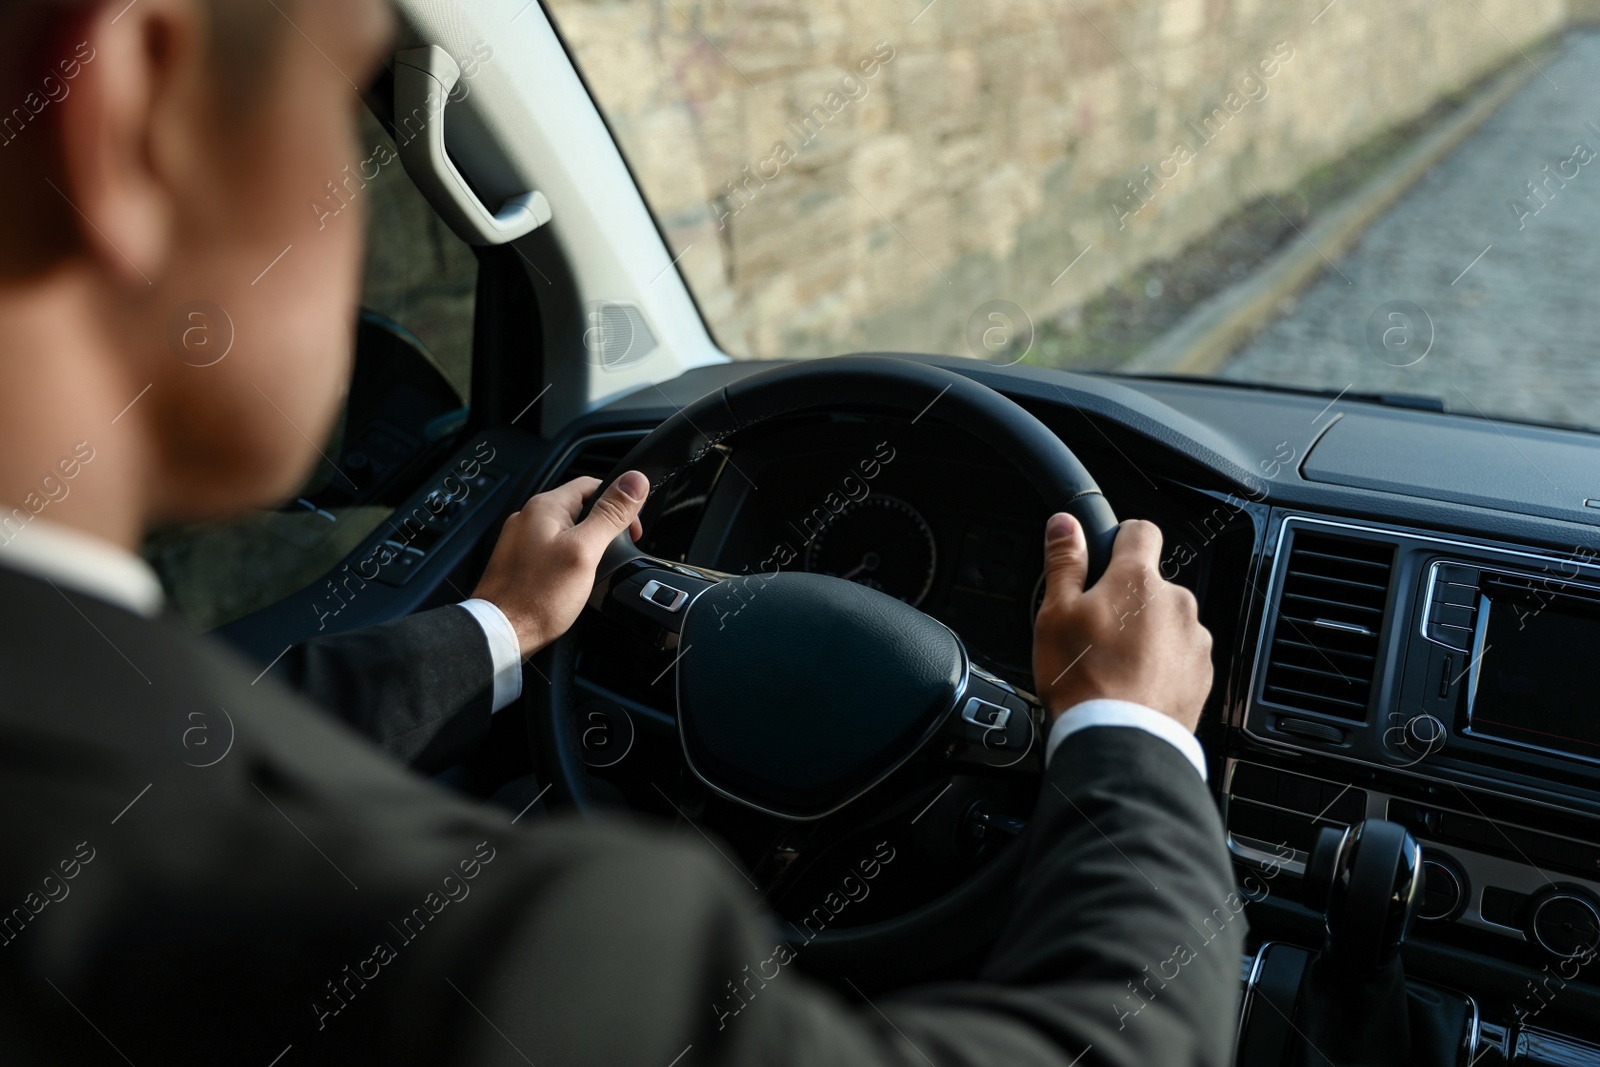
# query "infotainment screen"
(1536, 676)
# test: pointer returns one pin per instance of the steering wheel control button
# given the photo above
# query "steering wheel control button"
(654, 601)
(1566, 924)
(663, 596)
(989, 716)
(991, 725)
(984, 824)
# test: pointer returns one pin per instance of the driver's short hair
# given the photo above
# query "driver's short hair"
(39, 45)
(244, 34)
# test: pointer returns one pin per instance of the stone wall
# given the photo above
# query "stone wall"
(854, 175)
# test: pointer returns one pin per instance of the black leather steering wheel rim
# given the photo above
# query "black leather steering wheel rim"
(877, 384)
(883, 384)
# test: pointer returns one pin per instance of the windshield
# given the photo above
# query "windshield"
(1330, 196)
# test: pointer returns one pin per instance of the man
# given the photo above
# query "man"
(308, 899)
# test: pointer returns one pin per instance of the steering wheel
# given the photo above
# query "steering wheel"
(808, 698)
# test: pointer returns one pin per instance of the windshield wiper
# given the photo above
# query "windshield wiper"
(1413, 401)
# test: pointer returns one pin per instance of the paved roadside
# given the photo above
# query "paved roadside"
(1476, 287)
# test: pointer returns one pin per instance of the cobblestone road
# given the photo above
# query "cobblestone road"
(1455, 292)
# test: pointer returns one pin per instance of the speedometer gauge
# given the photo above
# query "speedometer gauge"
(881, 542)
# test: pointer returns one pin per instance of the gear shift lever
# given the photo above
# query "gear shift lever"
(1350, 1005)
(1353, 1005)
(1367, 880)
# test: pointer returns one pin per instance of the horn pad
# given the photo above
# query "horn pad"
(798, 692)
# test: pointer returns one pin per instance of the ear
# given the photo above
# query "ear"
(129, 130)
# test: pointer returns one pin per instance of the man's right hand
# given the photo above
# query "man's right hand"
(1133, 636)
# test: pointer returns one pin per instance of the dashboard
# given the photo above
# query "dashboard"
(1405, 608)
(1446, 684)
(903, 509)
(924, 513)
(921, 512)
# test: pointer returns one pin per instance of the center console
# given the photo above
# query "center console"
(1350, 1003)
(1448, 686)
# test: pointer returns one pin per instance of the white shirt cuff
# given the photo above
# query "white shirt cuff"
(1104, 712)
(505, 651)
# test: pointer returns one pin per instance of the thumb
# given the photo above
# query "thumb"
(615, 510)
(1066, 558)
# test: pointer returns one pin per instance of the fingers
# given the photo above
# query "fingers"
(1187, 601)
(567, 498)
(616, 510)
(1137, 549)
(1066, 558)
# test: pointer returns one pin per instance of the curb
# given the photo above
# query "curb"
(1214, 330)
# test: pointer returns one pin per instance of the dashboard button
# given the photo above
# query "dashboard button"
(1296, 831)
(1452, 615)
(1456, 637)
(1268, 825)
(1246, 819)
(1457, 574)
(1502, 906)
(1255, 782)
(1300, 794)
(1464, 595)
(1344, 804)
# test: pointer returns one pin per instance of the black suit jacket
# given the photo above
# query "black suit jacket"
(275, 890)
(420, 687)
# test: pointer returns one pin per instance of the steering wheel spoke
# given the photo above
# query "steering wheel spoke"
(648, 595)
(994, 728)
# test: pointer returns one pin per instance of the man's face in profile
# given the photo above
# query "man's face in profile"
(184, 158)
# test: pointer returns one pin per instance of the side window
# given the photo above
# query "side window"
(410, 392)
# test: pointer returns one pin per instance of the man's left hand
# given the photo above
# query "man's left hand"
(542, 569)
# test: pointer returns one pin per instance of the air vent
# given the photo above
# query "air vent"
(1329, 628)
(593, 457)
